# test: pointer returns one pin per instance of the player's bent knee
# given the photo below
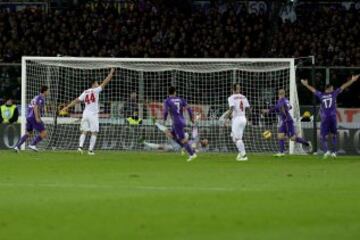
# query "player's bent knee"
(236, 139)
(43, 134)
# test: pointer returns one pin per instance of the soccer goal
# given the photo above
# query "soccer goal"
(139, 87)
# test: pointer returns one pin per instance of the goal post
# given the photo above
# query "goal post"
(143, 83)
(23, 98)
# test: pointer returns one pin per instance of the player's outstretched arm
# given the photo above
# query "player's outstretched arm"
(75, 101)
(306, 84)
(222, 117)
(108, 78)
(229, 113)
(37, 113)
(165, 113)
(272, 109)
(351, 81)
(248, 111)
(265, 111)
(190, 112)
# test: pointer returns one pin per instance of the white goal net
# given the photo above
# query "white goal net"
(139, 88)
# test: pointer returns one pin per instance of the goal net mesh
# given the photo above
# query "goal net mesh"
(139, 88)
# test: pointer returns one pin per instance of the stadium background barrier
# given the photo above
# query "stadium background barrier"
(349, 137)
(10, 82)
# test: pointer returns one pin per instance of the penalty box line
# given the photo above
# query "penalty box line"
(99, 186)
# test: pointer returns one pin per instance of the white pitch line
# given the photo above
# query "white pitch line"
(98, 186)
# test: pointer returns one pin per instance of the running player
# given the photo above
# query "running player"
(174, 106)
(33, 120)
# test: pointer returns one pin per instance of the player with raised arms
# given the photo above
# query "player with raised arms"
(238, 104)
(33, 120)
(175, 106)
(328, 112)
(90, 117)
(287, 128)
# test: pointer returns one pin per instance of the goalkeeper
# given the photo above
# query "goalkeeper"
(195, 141)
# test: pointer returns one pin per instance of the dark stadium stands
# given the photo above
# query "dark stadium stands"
(146, 30)
(149, 29)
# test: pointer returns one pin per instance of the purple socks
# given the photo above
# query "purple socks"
(189, 149)
(22, 140)
(302, 141)
(324, 144)
(282, 145)
(36, 140)
(334, 142)
(187, 146)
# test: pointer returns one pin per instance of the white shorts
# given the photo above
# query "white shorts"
(237, 128)
(90, 123)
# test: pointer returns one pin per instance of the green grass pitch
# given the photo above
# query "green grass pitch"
(120, 195)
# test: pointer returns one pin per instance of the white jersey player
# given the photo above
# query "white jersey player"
(90, 117)
(238, 104)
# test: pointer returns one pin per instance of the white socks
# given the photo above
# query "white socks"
(240, 146)
(82, 140)
(92, 142)
(152, 145)
(161, 127)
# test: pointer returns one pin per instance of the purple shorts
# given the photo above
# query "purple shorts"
(328, 125)
(287, 128)
(31, 124)
(178, 131)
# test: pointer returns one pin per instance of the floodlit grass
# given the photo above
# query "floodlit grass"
(119, 195)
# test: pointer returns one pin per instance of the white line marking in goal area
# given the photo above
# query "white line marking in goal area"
(98, 186)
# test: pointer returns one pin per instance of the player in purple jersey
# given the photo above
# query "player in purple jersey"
(328, 112)
(287, 128)
(33, 120)
(175, 106)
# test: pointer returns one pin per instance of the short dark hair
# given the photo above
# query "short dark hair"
(235, 85)
(92, 82)
(172, 90)
(328, 86)
(7, 97)
(43, 89)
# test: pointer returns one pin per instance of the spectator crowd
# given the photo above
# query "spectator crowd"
(146, 29)
(328, 32)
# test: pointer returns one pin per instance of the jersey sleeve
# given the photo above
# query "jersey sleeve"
(246, 103)
(82, 96)
(337, 92)
(184, 103)
(274, 108)
(39, 101)
(318, 94)
(98, 89)
(277, 107)
(166, 111)
(231, 102)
